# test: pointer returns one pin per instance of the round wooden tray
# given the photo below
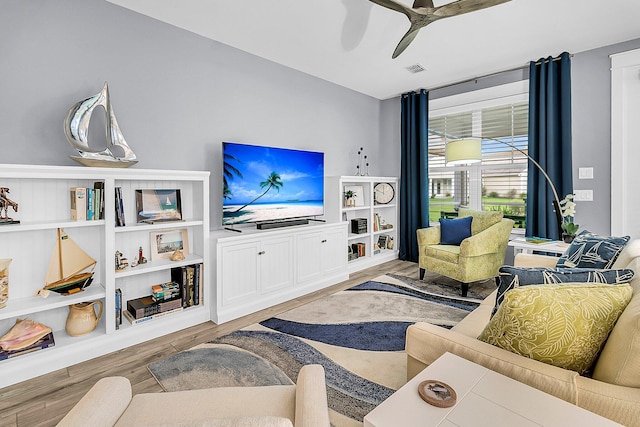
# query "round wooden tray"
(437, 393)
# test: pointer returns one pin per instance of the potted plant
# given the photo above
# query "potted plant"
(349, 198)
(568, 211)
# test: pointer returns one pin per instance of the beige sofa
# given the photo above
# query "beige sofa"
(615, 394)
(109, 403)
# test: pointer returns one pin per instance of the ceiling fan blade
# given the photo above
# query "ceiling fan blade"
(406, 40)
(423, 3)
(465, 6)
(394, 5)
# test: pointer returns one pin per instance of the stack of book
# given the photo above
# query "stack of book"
(183, 291)
(87, 204)
(44, 342)
(146, 308)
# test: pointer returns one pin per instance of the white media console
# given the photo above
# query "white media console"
(257, 269)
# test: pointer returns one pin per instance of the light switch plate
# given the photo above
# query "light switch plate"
(585, 173)
(583, 195)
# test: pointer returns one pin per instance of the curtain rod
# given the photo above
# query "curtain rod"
(538, 62)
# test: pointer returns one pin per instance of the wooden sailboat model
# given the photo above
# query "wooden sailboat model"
(66, 273)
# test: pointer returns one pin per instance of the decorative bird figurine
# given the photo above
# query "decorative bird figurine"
(424, 13)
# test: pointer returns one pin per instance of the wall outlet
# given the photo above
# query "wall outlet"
(583, 195)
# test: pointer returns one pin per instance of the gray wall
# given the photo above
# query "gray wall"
(591, 103)
(176, 95)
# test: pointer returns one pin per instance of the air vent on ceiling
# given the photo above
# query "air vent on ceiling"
(415, 68)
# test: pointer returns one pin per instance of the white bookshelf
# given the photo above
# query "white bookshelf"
(43, 197)
(367, 208)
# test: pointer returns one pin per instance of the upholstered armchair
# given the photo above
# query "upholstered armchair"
(477, 257)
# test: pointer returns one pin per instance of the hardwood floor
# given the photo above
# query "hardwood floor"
(43, 401)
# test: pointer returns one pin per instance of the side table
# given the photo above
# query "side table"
(520, 245)
(484, 397)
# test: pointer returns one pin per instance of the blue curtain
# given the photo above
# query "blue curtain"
(414, 177)
(549, 142)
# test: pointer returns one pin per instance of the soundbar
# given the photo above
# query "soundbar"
(283, 223)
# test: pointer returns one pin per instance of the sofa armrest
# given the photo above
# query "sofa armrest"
(426, 342)
(312, 409)
(428, 236)
(618, 403)
(534, 260)
(102, 406)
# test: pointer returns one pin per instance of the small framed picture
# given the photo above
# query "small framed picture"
(164, 243)
(358, 193)
(158, 206)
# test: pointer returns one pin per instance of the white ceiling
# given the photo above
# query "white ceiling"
(350, 42)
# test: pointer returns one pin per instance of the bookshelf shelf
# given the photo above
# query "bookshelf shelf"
(43, 195)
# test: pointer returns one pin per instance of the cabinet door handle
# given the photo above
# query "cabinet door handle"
(261, 253)
(324, 241)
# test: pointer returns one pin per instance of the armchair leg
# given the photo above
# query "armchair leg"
(421, 273)
(464, 289)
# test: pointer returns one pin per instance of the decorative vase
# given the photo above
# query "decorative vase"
(567, 238)
(4, 281)
(82, 318)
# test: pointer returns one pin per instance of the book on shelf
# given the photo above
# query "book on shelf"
(118, 308)
(78, 203)
(99, 199)
(119, 208)
(136, 321)
(189, 278)
(90, 201)
(44, 342)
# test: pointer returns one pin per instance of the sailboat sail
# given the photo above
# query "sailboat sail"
(68, 261)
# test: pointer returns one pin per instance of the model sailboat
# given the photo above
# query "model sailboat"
(66, 273)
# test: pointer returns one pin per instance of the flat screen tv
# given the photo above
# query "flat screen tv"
(266, 184)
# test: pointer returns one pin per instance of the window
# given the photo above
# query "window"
(499, 117)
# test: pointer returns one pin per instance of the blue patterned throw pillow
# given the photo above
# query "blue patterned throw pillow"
(589, 250)
(454, 231)
(513, 277)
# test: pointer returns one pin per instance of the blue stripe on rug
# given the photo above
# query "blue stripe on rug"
(397, 289)
(373, 336)
(336, 376)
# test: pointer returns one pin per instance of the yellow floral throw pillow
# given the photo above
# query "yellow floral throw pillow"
(565, 326)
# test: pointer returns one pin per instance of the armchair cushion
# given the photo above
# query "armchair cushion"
(589, 250)
(564, 326)
(481, 219)
(454, 231)
(513, 277)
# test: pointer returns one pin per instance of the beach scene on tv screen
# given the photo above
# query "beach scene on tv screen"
(268, 183)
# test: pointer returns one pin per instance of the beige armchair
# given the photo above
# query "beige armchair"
(109, 403)
(477, 258)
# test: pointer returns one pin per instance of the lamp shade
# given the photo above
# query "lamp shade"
(463, 151)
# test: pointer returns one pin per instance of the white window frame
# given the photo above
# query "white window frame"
(495, 96)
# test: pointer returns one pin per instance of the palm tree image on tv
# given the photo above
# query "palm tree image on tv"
(263, 183)
(272, 182)
(228, 172)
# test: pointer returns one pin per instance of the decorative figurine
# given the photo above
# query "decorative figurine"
(76, 128)
(121, 262)
(141, 259)
(5, 204)
(178, 255)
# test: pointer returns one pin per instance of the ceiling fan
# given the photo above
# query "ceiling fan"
(424, 13)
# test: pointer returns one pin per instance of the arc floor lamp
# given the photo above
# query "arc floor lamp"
(469, 150)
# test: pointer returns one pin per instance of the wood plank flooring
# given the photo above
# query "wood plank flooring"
(44, 400)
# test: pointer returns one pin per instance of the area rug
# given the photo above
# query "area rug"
(357, 335)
